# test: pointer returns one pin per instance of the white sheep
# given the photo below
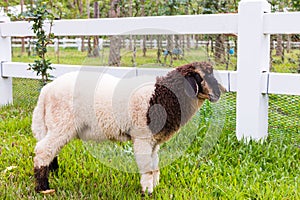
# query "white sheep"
(148, 116)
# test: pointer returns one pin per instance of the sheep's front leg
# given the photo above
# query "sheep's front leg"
(155, 161)
(143, 149)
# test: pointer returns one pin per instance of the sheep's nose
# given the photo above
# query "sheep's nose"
(213, 98)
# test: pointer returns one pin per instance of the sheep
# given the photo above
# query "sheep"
(148, 116)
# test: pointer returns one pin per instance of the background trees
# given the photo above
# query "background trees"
(72, 9)
(217, 45)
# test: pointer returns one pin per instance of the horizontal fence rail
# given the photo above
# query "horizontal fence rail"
(271, 83)
(282, 23)
(185, 24)
(20, 70)
(274, 23)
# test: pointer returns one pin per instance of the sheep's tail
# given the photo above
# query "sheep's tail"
(38, 126)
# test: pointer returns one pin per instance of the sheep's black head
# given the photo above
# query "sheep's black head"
(201, 80)
(173, 102)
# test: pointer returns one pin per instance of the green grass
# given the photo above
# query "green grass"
(230, 170)
(72, 56)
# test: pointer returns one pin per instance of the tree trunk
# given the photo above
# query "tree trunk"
(188, 37)
(80, 8)
(279, 46)
(227, 53)
(130, 37)
(22, 39)
(57, 53)
(144, 37)
(212, 48)
(159, 38)
(89, 38)
(207, 50)
(159, 48)
(133, 60)
(6, 6)
(96, 38)
(144, 45)
(235, 51)
(176, 50)
(182, 46)
(170, 47)
(188, 42)
(271, 57)
(114, 58)
(197, 40)
(219, 49)
(89, 47)
(150, 41)
(299, 64)
(288, 44)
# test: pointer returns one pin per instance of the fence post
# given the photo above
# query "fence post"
(6, 96)
(253, 61)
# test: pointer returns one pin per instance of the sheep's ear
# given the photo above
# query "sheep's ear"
(191, 86)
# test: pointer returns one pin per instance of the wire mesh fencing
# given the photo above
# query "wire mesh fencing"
(168, 51)
(284, 110)
(25, 91)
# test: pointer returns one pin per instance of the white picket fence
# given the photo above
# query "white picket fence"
(252, 81)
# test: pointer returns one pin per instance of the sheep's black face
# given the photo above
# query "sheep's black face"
(200, 81)
(208, 86)
(212, 88)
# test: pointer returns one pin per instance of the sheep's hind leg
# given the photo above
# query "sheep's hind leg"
(41, 178)
(54, 165)
(41, 175)
(45, 153)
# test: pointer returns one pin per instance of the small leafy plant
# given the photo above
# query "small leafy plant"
(42, 65)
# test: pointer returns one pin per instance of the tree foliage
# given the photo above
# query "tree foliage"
(42, 65)
(73, 9)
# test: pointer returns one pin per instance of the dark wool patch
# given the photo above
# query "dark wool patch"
(41, 177)
(174, 95)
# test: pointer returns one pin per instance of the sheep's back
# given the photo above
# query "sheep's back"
(122, 105)
(95, 106)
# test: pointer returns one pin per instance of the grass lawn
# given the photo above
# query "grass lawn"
(72, 56)
(229, 170)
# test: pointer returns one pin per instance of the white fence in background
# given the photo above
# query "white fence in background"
(252, 80)
(77, 43)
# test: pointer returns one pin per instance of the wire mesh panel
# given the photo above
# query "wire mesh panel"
(168, 51)
(284, 113)
(284, 110)
(25, 91)
(137, 50)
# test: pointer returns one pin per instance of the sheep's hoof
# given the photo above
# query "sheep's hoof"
(50, 191)
(41, 178)
(41, 187)
(149, 194)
